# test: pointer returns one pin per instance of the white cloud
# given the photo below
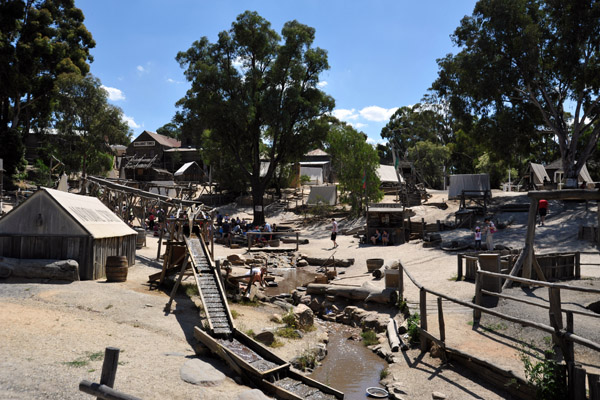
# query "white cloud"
(377, 114)
(375, 142)
(322, 84)
(131, 122)
(359, 125)
(173, 81)
(114, 94)
(140, 69)
(345, 115)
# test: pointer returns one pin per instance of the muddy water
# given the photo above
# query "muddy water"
(349, 366)
(292, 278)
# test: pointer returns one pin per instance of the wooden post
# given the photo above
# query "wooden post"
(423, 228)
(568, 350)
(594, 385)
(476, 312)
(577, 265)
(598, 231)
(527, 264)
(297, 241)
(576, 384)
(218, 268)
(249, 236)
(103, 392)
(441, 320)
(459, 273)
(400, 281)
(160, 239)
(555, 315)
(109, 367)
(423, 310)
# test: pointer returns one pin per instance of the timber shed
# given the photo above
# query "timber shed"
(56, 225)
(386, 217)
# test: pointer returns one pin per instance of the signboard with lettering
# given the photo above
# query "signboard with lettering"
(144, 143)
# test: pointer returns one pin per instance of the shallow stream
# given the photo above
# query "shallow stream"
(350, 366)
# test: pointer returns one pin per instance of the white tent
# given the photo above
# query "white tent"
(326, 194)
(387, 174)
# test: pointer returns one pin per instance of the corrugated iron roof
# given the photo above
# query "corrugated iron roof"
(164, 140)
(316, 152)
(91, 214)
(185, 166)
(387, 173)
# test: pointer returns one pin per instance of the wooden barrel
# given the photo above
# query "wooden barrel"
(141, 238)
(374, 263)
(116, 268)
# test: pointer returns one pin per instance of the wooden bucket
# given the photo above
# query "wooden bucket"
(374, 263)
(116, 268)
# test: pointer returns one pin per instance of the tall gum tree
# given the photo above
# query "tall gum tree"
(531, 57)
(254, 87)
(39, 41)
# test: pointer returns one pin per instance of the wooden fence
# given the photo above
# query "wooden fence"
(493, 373)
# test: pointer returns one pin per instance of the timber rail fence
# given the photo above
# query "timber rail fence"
(496, 375)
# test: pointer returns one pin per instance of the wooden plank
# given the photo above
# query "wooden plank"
(109, 366)
(459, 273)
(516, 268)
(477, 312)
(532, 282)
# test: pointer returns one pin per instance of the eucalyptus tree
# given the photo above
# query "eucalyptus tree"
(253, 87)
(39, 41)
(530, 71)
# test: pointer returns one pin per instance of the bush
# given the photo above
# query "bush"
(413, 328)
(369, 337)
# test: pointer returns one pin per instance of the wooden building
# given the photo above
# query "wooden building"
(190, 172)
(56, 225)
(388, 217)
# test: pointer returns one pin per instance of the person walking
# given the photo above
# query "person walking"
(542, 210)
(490, 229)
(477, 238)
(334, 231)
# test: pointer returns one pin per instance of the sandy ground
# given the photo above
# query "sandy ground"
(50, 334)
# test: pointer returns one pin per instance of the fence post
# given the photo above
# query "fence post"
(477, 313)
(555, 315)
(423, 228)
(594, 385)
(576, 384)
(577, 265)
(460, 269)
(568, 350)
(109, 367)
(423, 310)
(441, 320)
(401, 281)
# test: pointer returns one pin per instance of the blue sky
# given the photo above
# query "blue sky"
(382, 54)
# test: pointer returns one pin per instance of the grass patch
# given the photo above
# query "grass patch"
(369, 337)
(413, 328)
(234, 314)
(108, 307)
(276, 344)
(384, 373)
(494, 327)
(85, 360)
(454, 278)
(99, 355)
(250, 333)
(77, 363)
(307, 359)
(191, 290)
(288, 332)
(249, 303)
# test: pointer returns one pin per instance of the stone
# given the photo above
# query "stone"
(315, 305)
(275, 318)
(252, 394)
(201, 373)
(438, 396)
(304, 316)
(236, 259)
(302, 263)
(265, 337)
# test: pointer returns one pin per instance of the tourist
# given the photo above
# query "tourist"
(334, 230)
(542, 210)
(256, 275)
(477, 238)
(267, 228)
(385, 238)
(490, 229)
(376, 237)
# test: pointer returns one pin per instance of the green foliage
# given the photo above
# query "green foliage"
(250, 333)
(320, 208)
(369, 337)
(413, 328)
(288, 332)
(304, 179)
(40, 41)
(289, 320)
(85, 360)
(384, 373)
(266, 107)
(548, 64)
(307, 360)
(547, 375)
(191, 290)
(356, 163)
(40, 174)
(429, 159)
(234, 314)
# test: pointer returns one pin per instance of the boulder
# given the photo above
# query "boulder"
(252, 394)
(198, 372)
(265, 337)
(303, 315)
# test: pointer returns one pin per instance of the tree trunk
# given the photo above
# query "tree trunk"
(257, 204)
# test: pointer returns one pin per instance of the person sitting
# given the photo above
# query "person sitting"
(376, 237)
(385, 238)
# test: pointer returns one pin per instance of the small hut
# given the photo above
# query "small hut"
(189, 172)
(388, 217)
(56, 225)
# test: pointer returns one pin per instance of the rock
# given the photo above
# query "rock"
(302, 263)
(252, 394)
(275, 318)
(315, 305)
(436, 351)
(198, 372)
(438, 396)
(304, 316)
(286, 306)
(265, 337)
(299, 333)
(236, 259)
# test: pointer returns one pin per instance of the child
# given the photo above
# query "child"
(477, 238)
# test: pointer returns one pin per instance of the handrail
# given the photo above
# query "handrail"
(539, 283)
